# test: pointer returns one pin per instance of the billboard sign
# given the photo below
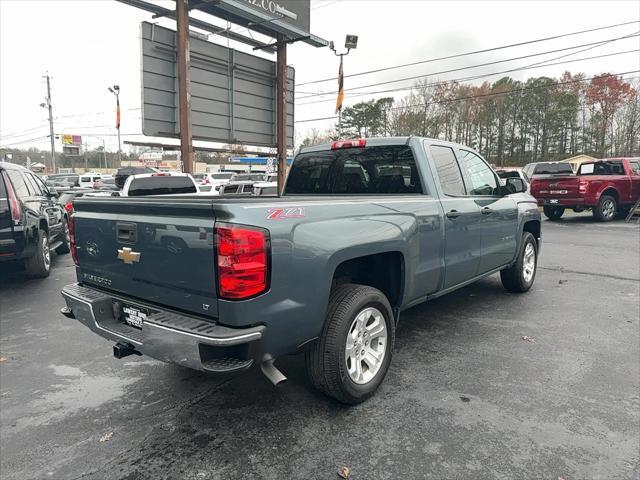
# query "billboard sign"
(71, 139)
(270, 17)
(233, 94)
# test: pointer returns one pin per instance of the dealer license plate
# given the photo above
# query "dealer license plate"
(134, 316)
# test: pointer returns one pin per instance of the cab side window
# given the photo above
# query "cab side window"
(448, 170)
(635, 167)
(483, 180)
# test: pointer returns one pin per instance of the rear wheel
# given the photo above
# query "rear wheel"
(351, 358)
(39, 265)
(519, 277)
(553, 213)
(605, 211)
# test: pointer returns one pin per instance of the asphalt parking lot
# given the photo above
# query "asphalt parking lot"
(466, 396)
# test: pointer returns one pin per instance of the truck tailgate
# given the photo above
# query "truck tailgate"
(555, 186)
(149, 249)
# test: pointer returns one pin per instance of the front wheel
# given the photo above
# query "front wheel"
(605, 211)
(519, 277)
(553, 213)
(351, 358)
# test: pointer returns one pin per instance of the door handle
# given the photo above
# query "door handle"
(486, 211)
(453, 214)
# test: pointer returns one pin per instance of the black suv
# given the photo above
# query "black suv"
(32, 222)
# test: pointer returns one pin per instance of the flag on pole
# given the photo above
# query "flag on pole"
(340, 88)
(117, 113)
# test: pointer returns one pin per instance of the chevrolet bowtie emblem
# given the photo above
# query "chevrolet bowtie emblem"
(128, 256)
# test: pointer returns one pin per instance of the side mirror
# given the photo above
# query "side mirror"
(515, 185)
(53, 193)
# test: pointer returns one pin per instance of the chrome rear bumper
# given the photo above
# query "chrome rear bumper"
(165, 335)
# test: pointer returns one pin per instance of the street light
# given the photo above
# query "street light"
(350, 42)
(116, 91)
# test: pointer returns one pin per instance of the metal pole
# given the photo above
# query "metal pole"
(53, 145)
(104, 152)
(119, 144)
(184, 85)
(281, 111)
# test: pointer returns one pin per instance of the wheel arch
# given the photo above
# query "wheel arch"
(385, 271)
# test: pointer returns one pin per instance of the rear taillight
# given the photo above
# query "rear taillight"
(242, 260)
(340, 144)
(69, 207)
(582, 188)
(14, 204)
(71, 223)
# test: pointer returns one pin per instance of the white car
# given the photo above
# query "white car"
(161, 183)
(87, 179)
(213, 181)
(265, 188)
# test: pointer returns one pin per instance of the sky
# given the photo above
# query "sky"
(86, 46)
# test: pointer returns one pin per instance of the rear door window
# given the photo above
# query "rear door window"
(387, 170)
(19, 184)
(448, 170)
(602, 168)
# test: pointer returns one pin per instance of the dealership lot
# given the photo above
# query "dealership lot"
(484, 384)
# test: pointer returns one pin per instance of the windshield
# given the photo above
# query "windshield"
(373, 170)
(553, 169)
(161, 186)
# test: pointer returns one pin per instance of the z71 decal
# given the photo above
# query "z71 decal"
(283, 213)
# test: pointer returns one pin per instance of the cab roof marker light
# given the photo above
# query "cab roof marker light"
(341, 144)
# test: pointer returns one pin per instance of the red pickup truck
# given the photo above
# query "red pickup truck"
(606, 186)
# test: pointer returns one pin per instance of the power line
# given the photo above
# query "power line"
(491, 94)
(458, 55)
(416, 77)
(25, 141)
(475, 77)
(22, 133)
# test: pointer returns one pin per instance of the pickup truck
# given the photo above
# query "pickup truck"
(364, 230)
(606, 187)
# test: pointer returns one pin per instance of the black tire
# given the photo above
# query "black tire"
(65, 247)
(606, 209)
(553, 213)
(514, 278)
(39, 265)
(326, 361)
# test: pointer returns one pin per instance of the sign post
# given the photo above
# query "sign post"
(184, 85)
(281, 111)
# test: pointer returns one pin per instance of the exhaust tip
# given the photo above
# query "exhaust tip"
(270, 371)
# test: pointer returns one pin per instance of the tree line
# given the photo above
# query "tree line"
(510, 122)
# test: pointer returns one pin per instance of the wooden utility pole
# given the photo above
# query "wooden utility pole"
(184, 85)
(281, 111)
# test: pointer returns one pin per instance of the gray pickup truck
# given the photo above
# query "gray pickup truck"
(365, 229)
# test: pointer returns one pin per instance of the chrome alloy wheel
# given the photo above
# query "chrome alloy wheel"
(366, 345)
(608, 208)
(46, 254)
(529, 262)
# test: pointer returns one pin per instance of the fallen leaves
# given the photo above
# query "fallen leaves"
(106, 437)
(529, 339)
(344, 473)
